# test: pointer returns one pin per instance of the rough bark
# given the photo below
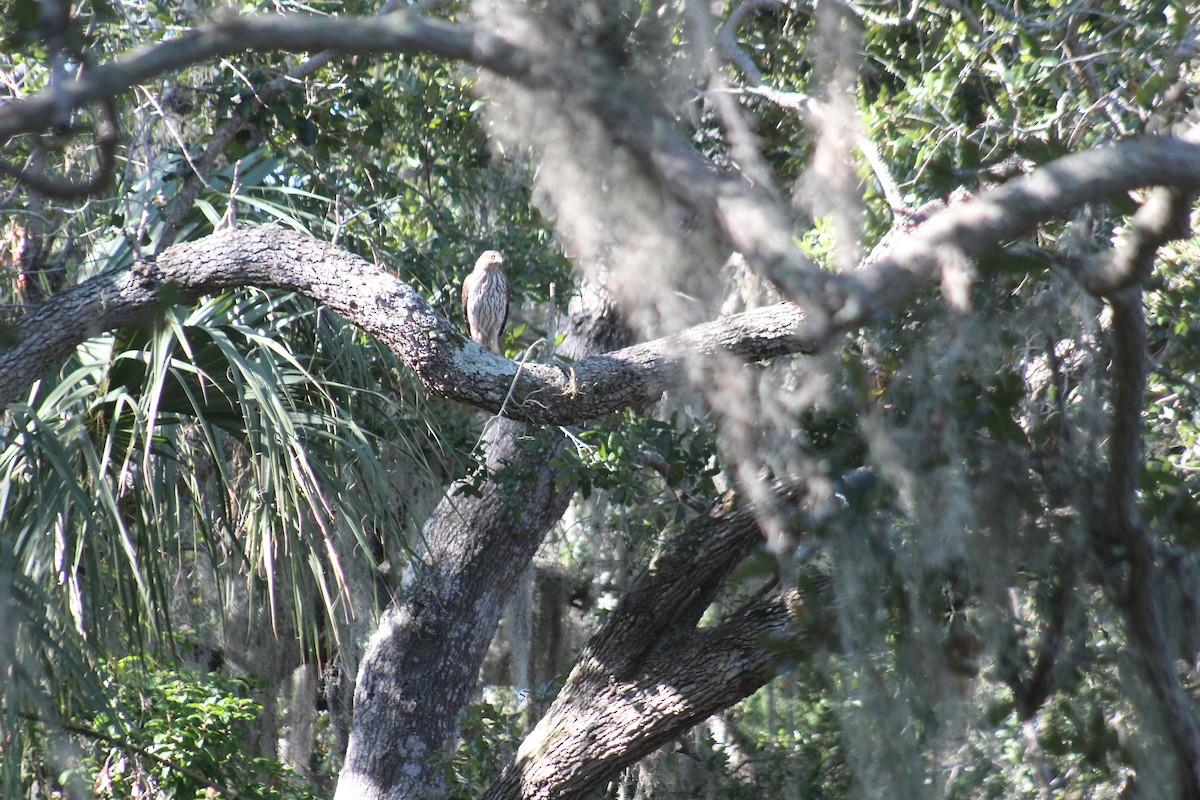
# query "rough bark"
(754, 222)
(449, 366)
(421, 665)
(444, 360)
(650, 673)
(232, 34)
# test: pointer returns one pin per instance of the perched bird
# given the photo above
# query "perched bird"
(485, 300)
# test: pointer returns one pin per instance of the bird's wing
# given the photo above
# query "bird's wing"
(507, 302)
(466, 292)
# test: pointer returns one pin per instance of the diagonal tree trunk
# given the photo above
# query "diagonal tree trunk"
(421, 665)
(649, 674)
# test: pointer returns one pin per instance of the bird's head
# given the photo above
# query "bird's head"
(490, 261)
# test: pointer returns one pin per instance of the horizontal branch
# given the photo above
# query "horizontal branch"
(760, 227)
(973, 228)
(449, 366)
(444, 360)
(838, 302)
(232, 34)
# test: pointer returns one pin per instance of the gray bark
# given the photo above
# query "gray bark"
(649, 674)
(421, 665)
(441, 357)
(296, 746)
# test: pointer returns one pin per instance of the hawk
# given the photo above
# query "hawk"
(485, 300)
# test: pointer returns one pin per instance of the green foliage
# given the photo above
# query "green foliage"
(489, 734)
(609, 454)
(251, 426)
(180, 734)
(1171, 481)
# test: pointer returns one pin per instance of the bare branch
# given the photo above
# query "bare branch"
(295, 33)
(756, 224)
(379, 303)
(64, 188)
(566, 393)
(727, 37)
(181, 203)
(1162, 218)
(1008, 212)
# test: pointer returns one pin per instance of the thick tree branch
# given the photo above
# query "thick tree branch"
(759, 226)
(843, 301)
(597, 729)
(560, 393)
(387, 308)
(649, 673)
(1126, 537)
(750, 217)
(422, 663)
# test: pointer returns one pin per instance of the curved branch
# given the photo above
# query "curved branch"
(756, 224)
(1013, 210)
(476, 544)
(294, 33)
(837, 302)
(444, 360)
(566, 393)
(596, 728)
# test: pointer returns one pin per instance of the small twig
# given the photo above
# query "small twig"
(517, 376)
(183, 147)
(809, 110)
(743, 143)
(184, 199)
(512, 386)
(229, 218)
